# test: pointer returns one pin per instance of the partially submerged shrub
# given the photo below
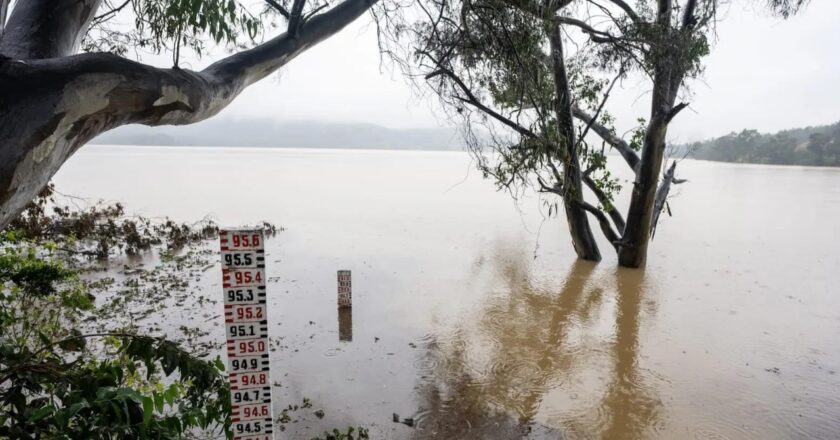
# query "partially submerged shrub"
(58, 381)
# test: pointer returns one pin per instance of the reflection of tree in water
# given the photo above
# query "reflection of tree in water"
(632, 405)
(489, 379)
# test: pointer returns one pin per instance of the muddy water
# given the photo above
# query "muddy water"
(472, 317)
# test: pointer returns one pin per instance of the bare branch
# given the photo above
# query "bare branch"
(594, 34)
(674, 111)
(295, 17)
(106, 15)
(38, 29)
(627, 9)
(662, 195)
(313, 12)
(603, 222)
(689, 19)
(4, 10)
(279, 8)
(611, 138)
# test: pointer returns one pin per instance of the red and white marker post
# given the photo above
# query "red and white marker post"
(246, 329)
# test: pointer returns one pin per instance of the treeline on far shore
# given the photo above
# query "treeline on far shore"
(814, 146)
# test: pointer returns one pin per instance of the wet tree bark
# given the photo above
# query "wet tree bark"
(668, 76)
(573, 203)
(4, 10)
(662, 196)
(52, 102)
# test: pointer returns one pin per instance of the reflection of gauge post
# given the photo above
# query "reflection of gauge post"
(246, 331)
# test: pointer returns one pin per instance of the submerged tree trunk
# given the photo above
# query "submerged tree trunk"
(52, 102)
(667, 78)
(581, 233)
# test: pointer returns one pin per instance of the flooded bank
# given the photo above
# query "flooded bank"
(472, 318)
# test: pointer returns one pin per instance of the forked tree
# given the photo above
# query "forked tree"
(505, 66)
(53, 99)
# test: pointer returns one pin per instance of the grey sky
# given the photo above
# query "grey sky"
(764, 73)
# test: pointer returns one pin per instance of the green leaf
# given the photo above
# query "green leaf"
(148, 410)
(41, 413)
(158, 401)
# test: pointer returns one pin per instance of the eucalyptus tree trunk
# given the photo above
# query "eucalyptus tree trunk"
(579, 229)
(632, 250)
(52, 101)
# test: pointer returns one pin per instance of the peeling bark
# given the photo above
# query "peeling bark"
(49, 107)
(662, 195)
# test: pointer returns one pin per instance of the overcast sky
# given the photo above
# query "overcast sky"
(764, 73)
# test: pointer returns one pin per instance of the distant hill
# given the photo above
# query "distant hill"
(268, 133)
(819, 146)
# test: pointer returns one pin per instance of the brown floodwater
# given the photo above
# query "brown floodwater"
(472, 317)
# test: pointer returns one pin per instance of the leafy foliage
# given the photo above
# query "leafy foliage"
(490, 64)
(59, 382)
(79, 351)
(160, 26)
(168, 25)
(808, 146)
(102, 229)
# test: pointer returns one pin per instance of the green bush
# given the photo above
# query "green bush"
(58, 382)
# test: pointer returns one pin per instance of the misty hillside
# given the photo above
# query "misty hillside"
(268, 133)
(819, 145)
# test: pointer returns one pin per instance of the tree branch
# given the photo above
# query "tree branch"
(662, 195)
(609, 137)
(674, 111)
(106, 15)
(689, 19)
(40, 29)
(605, 201)
(295, 17)
(279, 8)
(4, 11)
(472, 99)
(603, 222)
(313, 12)
(257, 63)
(53, 106)
(594, 34)
(627, 9)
